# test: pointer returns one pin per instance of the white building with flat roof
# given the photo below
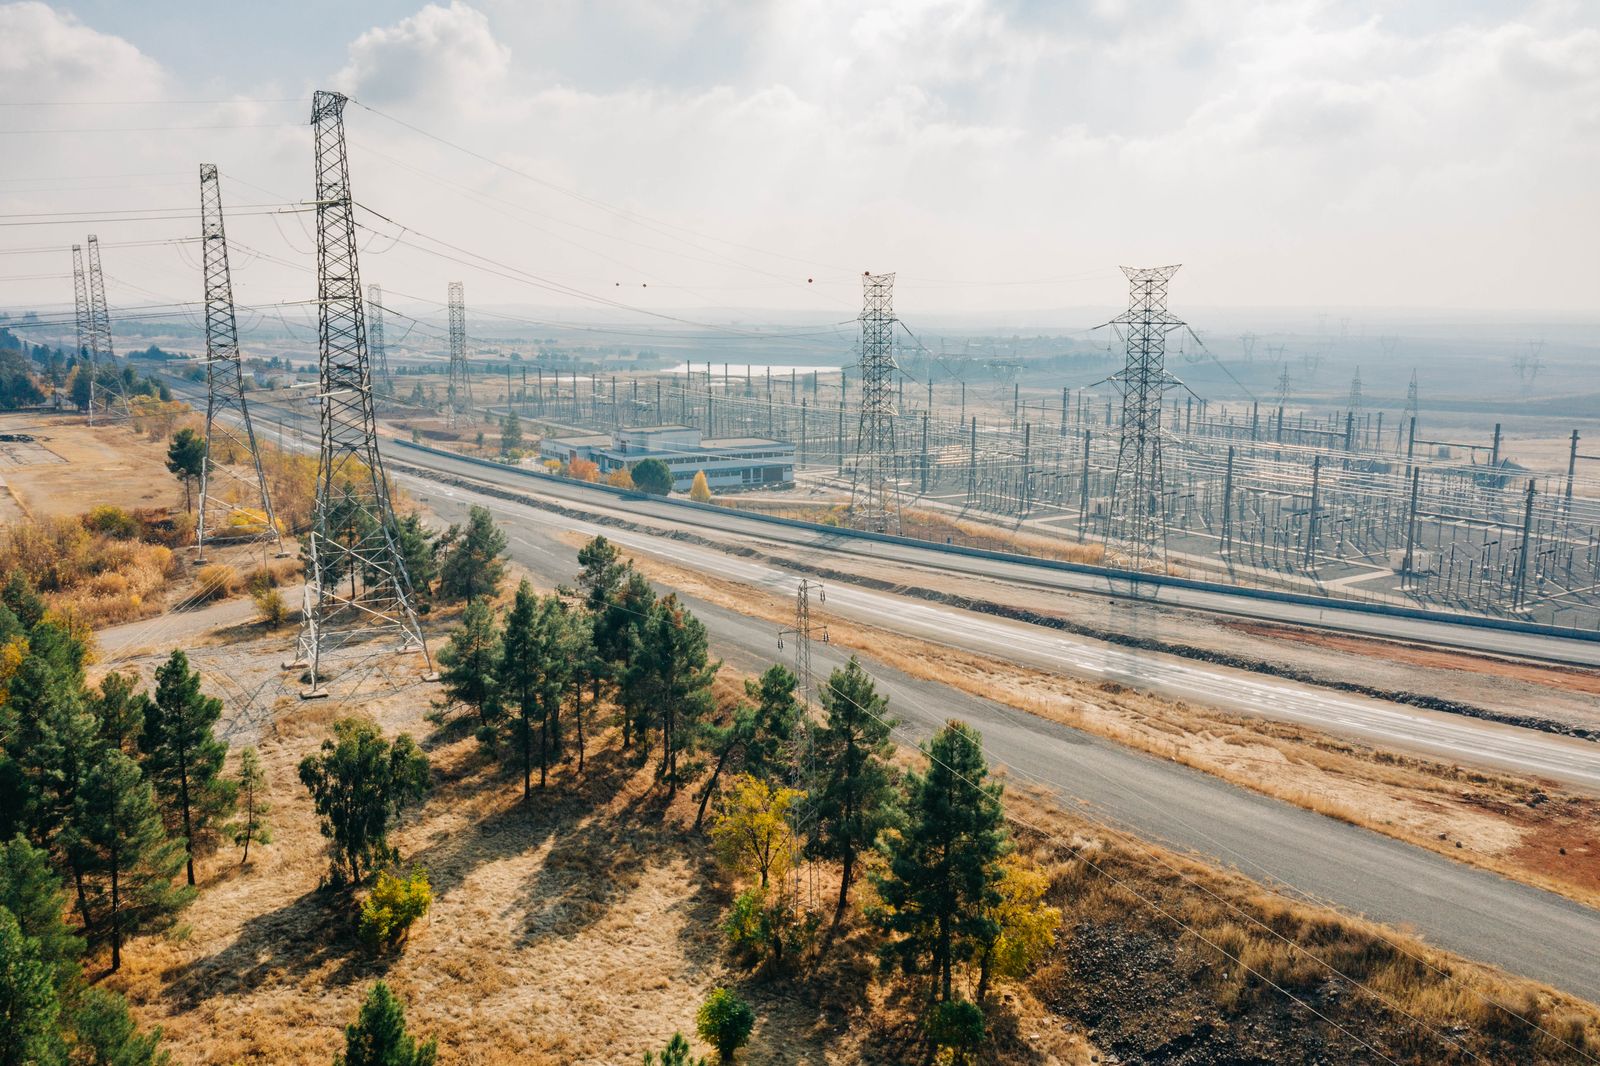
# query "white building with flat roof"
(730, 463)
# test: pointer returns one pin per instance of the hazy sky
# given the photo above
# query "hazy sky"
(998, 154)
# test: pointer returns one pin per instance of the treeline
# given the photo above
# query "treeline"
(107, 795)
(951, 905)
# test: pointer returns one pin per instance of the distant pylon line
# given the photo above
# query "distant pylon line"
(353, 541)
(459, 390)
(375, 343)
(225, 399)
(80, 298)
(100, 343)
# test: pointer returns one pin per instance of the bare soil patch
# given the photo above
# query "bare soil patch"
(1573, 679)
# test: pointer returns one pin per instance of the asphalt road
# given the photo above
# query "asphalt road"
(1477, 914)
(1453, 738)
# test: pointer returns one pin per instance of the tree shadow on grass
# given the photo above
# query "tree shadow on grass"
(305, 935)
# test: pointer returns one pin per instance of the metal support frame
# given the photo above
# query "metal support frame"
(1137, 526)
(459, 392)
(376, 349)
(80, 299)
(874, 488)
(354, 540)
(109, 391)
(229, 430)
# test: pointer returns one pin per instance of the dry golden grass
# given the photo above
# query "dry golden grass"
(94, 578)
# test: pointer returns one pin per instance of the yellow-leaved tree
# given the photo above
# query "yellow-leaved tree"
(700, 491)
(752, 834)
(1025, 925)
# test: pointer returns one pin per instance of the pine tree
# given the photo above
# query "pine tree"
(471, 660)
(671, 677)
(761, 734)
(183, 758)
(652, 476)
(616, 634)
(941, 890)
(32, 892)
(186, 459)
(252, 806)
(28, 1001)
(676, 1053)
(535, 667)
(119, 708)
(586, 672)
(419, 549)
(122, 848)
(510, 434)
(854, 792)
(378, 1036)
(359, 783)
(474, 561)
(106, 1035)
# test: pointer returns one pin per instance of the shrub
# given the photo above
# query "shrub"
(765, 927)
(270, 606)
(700, 490)
(955, 1028)
(652, 476)
(215, 582)
(583, 470)
(391, 907)
(113, 521)
(676, 1053)
(620, 478)
(724, 1021)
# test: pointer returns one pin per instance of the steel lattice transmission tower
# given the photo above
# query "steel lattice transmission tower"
(1356, 399)
(375, 345)
(805, 763)
(108, 391)
(80, 298)
(874, 490)
(230, 436)
(459, 396)
(1413, 397)
(1137, 526)
(357, 585)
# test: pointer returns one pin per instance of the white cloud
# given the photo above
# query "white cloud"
(444, 55)
(46, 55)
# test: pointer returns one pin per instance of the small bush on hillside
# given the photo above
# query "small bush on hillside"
(955, 1028)
(724, 1021)
(113, 521)
(764, 927)
(215, 582)
(270, 607)
(393, 905)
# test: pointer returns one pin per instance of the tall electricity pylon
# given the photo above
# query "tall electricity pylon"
(375, 345)
(110, 392)
(1138, 521)
(460, 388)
(1356, 400)
(805, 763)
(1413, 397)
(80, 298)
(874, 489)
(354, 539)
(230, 437)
